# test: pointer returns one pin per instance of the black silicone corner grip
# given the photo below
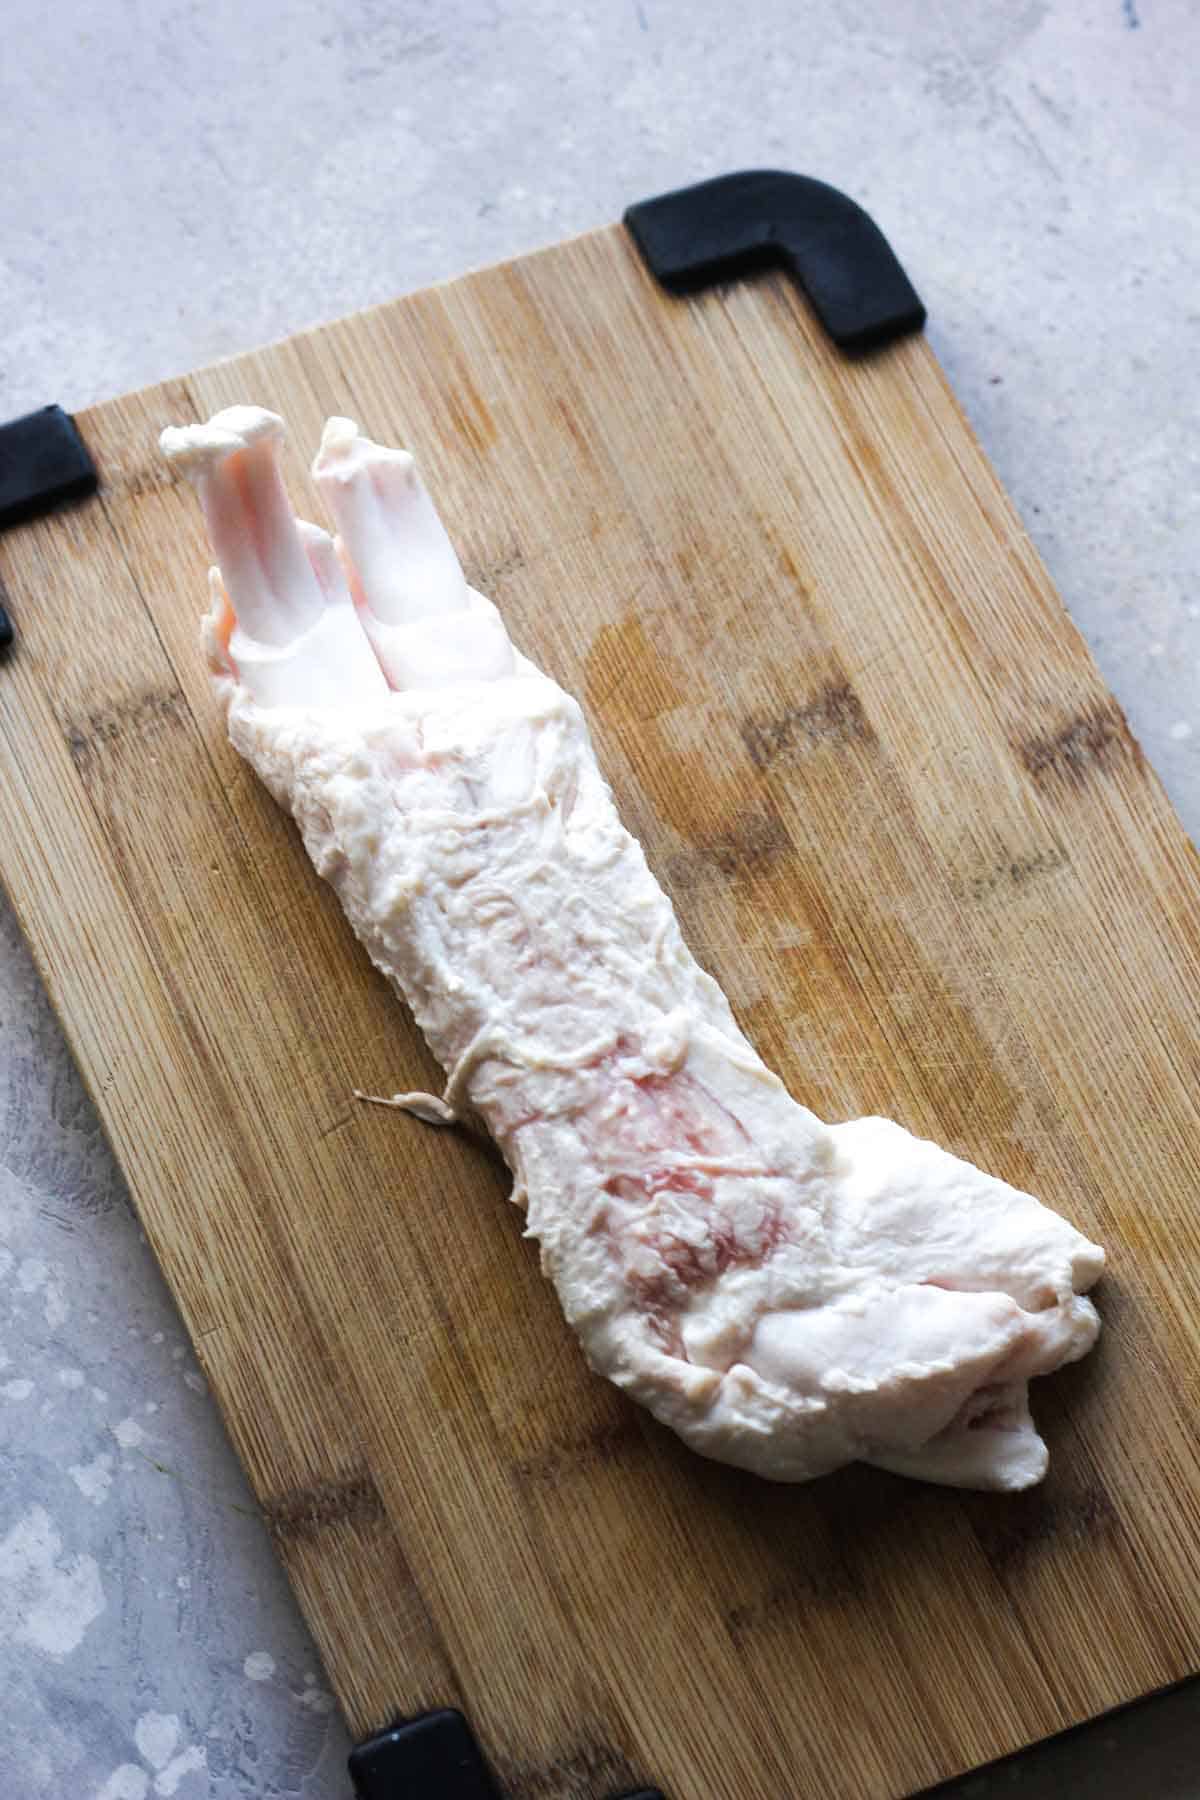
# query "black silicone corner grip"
(737, 224)
(433, 1757)
(43, 461)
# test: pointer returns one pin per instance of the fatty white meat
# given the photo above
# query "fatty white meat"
(787, 1295)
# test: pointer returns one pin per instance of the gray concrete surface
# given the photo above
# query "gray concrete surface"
(187, 178)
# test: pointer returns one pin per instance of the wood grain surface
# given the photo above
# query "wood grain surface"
(903, 823)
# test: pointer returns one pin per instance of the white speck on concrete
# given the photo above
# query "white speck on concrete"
(17, 1390)
(71, 1378)
(47, 1600)
(129, 1434)
(1157, 649)
(100, 1396)
(196, 1381)
(184, 1583)
(1181, 731)
(55, 1307)
(93, 1479)
(126, 1783)
(159, 1337)
(34, 1276)
(156, 1735)
(151, 1406)
(188, 1762)
(317, 1700)
(259, 1666)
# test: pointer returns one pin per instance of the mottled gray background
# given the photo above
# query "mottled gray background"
(183, 180)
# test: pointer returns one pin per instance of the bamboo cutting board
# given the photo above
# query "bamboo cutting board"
(906, 827)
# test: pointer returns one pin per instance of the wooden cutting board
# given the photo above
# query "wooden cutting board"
(906, 826)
